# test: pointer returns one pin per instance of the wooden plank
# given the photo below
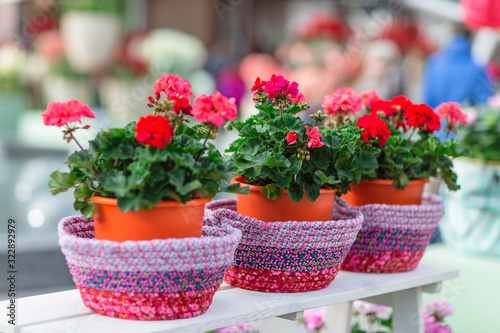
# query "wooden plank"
(45, 308)
(230, 306)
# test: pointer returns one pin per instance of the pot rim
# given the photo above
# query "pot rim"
(241, 180)
(390, 181)
(114, 202)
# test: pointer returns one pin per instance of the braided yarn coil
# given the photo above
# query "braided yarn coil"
(394, 237)
(291, 256)
(147, 280)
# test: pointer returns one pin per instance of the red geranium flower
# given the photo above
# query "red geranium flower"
(258, 85)
(181, 104)
(401, 102)
(374, 127)
(155, 131)
(384, 106)
(423, 117)
(61, 113)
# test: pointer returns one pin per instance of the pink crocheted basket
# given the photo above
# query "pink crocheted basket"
(292, 256)
(147, 280)
(393, 237)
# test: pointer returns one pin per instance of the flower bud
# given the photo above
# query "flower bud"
(150, 98)
(308, 157)
(86, 127)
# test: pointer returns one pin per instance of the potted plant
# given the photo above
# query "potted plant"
(472, 218)
(91, 29)
(407, 151)
(150, 179)
(293, 168)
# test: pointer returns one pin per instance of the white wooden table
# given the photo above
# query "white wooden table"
(65, 312)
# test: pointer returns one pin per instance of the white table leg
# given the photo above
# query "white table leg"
(338, 318)
(407, 311)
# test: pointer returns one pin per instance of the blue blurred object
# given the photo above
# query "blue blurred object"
(452, 76)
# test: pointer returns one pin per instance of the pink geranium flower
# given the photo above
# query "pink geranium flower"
(451, 112)
(439, 308)
(172, 85)
(313, 319)
(291, 138)
(342, 102)
(369, 97)
(61, 113)
(215, 109)
(314, 137)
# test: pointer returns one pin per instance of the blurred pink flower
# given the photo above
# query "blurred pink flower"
(365, 308)
(50, 45)
(451, 112)
(369, 97)
(437, 327)
(470, 115)
(313, 319)
(215, 108)
(439, 308)
(342, 102)
(494, 101)
(172, 85)
(61, 113)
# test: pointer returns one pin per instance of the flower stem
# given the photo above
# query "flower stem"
(204, 143)
(411, 134)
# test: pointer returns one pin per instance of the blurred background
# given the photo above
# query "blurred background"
(109, 53)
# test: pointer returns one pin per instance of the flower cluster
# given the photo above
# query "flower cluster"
(340, 104)
(313, 319)
(422, 116)
(215, 109)
(67, 114)
(155, 131)
(374, 128)
(176, 91)
(434, 314)
(280, 91)
(62, 113)
(393, 110)
(453, 114)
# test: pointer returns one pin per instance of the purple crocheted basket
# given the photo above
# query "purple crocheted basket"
(292, 256)
(147, 280)
(394, 237)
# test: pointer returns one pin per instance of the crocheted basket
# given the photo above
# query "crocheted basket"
(292, 256)
(147, 280)
(394, 237)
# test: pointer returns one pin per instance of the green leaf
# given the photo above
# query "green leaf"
(295, 192)
(271, 191)
(345, 174)
(81, 159)
(312, 191)
(61, 182)
(320, 178)
(114, 181)
(250, 147)
(277, 160)
(367, 161)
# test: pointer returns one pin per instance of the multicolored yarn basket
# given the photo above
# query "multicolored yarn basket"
(287, 257)
(394, 237)
(147, 280)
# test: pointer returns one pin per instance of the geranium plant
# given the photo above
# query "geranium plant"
(159, 158)
(481, 134)
(278, 150)
(400, 135)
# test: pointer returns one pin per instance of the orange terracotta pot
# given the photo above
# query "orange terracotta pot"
(168, 219)
(381, 191)
(283, 209)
